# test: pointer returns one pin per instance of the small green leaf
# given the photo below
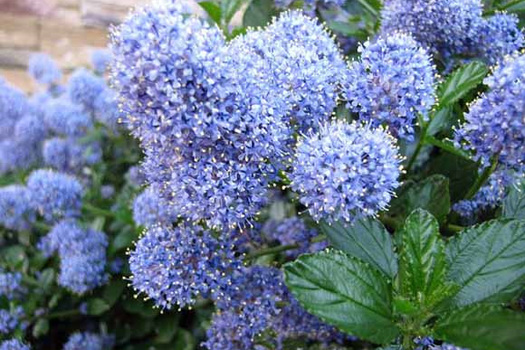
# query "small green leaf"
(514, 203)
(113, 291)
(345, 292)
(366, 239)
(371, 6)
(212, 9)
(166, 327)
(46, 278)
(430, 194)
(40, 328)
(97, 306)
(442, 120)
(514, 6)
(487, 262)
(348, 28)
(229, 8)
(259, 13)
(483, 328)
(422, 264)
(14, 256)
(185, 341)
(460, 82)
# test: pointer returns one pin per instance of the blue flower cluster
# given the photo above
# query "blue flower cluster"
(84, 88)
(345, 171)
(82, 255)
(101, 59)
(55, 195)
(11, 319)
(293, 231)
(150, 209)
(16, 211)
(174, 266)
(13, 344)
(454, 27)
(215, 126)
(44, 70)
(11, 285)
(392, 84)
(88, 341)
(494, 127)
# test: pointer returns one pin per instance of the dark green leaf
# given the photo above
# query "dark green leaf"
(166, 327)
(113, 291)
(46, 278)
(442, 120)
(97, 306)
(514, 203)
(372, 6)
(229, 8)
(514, 6)
(422, 265)
(487, 262)
(136, 306)
(430, 194)
(185, 340)
(123, 240)
(259, 13)
(366, 239)
(15, 256)
(460, 82)
(348, 28)
(345, 292)
(212, 9)
(40, 328)
(483, 328)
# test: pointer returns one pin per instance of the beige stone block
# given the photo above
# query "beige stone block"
(17, 31)
(14, 58)
(18, 78)
(70, 45)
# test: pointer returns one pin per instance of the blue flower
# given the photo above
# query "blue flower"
(89, 341)
(82, 255)
(13, 106)
(150, 209)
(84, 88)
(500, 36)
(392, 84)
(54, 195)
(68, 155)
(14, 344)
(100, 59)
(174, 266)
(16, 155)
(106, 108)
(16, 212)
(30, 129)
(44, 69)
(494, 125)
(11, 285)
(10, 320)
(345, 171)
(65, 118)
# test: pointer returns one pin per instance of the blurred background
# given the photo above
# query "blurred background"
(68, 30)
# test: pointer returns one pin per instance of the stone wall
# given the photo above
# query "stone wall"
(68, 34)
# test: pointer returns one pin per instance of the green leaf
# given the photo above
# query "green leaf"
(40, 328)
(430, 194)
(14, 256)
(212, 9)
(259, 13)
(345, 292)
(166, 327)
(46, 278)
(366, 239)
(348, 28)
(229, 8)
(113, 291)
(136, 306)
(185, 340)
(441, 120)
(371, 6)
(514, 6)
(483, 328)
(514, 203)
(460, 82)
(487, 262)
(422, 264)
(97, 306)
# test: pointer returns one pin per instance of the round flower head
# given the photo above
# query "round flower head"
(175, 266)
(392, 84)
(345, 171)
(15, 154)
(500, 36)
(44, 69)
(444, 26)
(106, 108)
(69, 156)
(84, 88)
(100, 59)
(16, 212)
(65, 118)
(150, 209)
(82, 255)
(13, 344)
(10, 320)
(13, 106)
(11, 285)
(88, 341)
(30, 129)
(55, 195)
(494, 125)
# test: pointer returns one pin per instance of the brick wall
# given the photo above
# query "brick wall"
(68, 34)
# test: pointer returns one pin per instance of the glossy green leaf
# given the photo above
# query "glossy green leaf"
(259, 13)
(442, 120)
(460, 82)
(229, 8)
(371, 6)
(483, 327)
(430, 194)
(212, 9)
(46, 278)
(184, 340)
(40, 328)
(514, 6)
(514, 203)
(97, 306)
(366, 239)
(113, 291)
(487, 262)
(166, 327)
(422, 260)
(345, 292)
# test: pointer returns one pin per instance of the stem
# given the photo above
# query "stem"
(455, 228)
(431, 140)
(97, 211)
(482, 179)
